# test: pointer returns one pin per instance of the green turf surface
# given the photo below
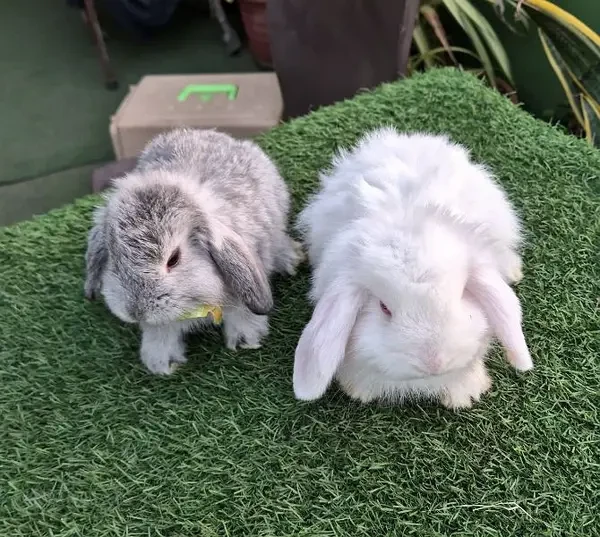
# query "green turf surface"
(91, 445)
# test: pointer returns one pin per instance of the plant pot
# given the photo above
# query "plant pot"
(254, 17)
(325, 51)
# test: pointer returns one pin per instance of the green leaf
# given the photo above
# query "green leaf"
(562, 73)
(573, 50)
(420, 40)
(581, 56)
(499, 9)
(579, 53)
(575, 58)
(489, 35)
(591, 121)
(438, 51)
(454, 7)
(434, 21)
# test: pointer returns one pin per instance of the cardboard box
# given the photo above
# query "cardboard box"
(243, 105)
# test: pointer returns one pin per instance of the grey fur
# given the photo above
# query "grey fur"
(251, 285)
(96, 257)
(222, 203)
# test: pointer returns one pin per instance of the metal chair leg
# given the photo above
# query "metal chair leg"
(92, 17)
(230, 36)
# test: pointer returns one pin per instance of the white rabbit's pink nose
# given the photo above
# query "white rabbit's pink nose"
(433, 363)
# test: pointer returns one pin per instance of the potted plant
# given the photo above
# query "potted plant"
(254, 19)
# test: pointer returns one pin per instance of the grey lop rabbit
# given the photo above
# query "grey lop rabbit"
(201, 220)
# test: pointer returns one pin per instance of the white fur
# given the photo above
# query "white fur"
(409, 220)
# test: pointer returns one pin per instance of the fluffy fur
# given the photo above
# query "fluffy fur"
(413, 247)
(218, 208)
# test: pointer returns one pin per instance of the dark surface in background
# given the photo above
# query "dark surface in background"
(327, 51)
(54, 107)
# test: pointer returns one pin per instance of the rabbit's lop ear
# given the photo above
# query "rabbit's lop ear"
(96, 257)
(503, 311)
(322, 345)
(243, 273)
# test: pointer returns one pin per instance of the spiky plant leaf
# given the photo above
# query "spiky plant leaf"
(489, 35)
(454, 7)
(422, 44)
(431, 16)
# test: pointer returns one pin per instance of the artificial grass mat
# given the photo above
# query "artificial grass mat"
(92, 445)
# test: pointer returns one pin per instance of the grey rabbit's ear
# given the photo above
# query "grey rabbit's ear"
(242, 273)
(96, 257)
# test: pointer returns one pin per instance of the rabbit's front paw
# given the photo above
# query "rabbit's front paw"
(161, 364)
(468, 390)
(162, 350)
(290, 256)
(244, 329)
(512, 267)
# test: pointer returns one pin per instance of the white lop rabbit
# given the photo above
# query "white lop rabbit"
(413, 247)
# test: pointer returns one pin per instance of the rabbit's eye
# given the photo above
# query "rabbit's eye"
(385, 309)
(173, 261)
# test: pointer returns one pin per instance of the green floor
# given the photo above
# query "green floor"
(54, 109)
(91, 445)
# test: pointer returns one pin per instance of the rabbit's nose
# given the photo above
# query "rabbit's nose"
(433, 364)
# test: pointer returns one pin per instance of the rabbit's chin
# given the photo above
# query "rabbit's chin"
(156, 314)
(455, 389)
(378, 366)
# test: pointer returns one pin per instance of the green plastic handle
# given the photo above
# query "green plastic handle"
(206, 91)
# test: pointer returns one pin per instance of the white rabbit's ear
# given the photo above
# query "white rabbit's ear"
(322, 345)
(503, 311)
